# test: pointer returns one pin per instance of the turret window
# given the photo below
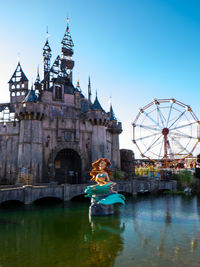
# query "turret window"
(58, 92)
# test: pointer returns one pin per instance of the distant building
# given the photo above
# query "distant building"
(52, 131)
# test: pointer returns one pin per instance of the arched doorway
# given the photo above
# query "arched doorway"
(67, 167)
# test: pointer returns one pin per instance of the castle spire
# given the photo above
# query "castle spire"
(46, 54)
(18, 75)
(37, 82)
(112, 114)
(67, 63)
(38, 76)
(96, 105)
(89, 90)
(67, 43)
(18, 84)
(78, 85)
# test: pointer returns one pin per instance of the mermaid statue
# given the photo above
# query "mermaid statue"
(102, 193)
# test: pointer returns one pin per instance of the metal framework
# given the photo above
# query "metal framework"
(7, 114)
(166, 130)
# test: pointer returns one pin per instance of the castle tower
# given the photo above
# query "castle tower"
(99, 120)
(30, 153)
(18, 85)
(115, 128)
(47, 61)
(67, 63)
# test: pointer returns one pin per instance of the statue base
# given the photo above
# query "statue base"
(97, 209)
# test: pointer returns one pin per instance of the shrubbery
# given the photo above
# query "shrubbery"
(186, 179)
(119, 175)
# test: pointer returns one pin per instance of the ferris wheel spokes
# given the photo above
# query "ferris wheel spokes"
(161, 149)
(170, 110)
(161, 115)
(182, 135)
(182, 126)
(179, 144)
(148, 116)
(177, 118)
(147, 136)
(147, 127)
(152, 145)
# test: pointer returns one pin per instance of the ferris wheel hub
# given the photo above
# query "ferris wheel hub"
(165, 131)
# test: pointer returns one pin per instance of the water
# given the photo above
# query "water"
(148, 231)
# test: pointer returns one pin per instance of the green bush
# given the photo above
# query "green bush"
(119, 175)
(186, 179)
(195, 187)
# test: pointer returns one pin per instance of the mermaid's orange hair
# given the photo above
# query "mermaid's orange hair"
(96, 169)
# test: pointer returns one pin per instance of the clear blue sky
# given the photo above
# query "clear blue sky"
(134, 50)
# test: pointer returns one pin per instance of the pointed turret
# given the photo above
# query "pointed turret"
(31, 96)
(96, 105)
(67, 63)
(18, 75)
(67, 43)
(18, 85)
(112, 114)
(115, 126)
(89, 90)
(37, 82)
(46, 55)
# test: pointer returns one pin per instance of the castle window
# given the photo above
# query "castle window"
(13, 94)
(18, 93)
(22, 85)
(13, 86)
(68, 136)
(58, 92)
(18, 86)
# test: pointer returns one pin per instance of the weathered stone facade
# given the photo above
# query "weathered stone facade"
(53, 132)
(127, 162)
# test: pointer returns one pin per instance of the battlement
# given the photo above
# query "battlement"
(29, 111)
(115, 127)
(9, 128)
(98, 117)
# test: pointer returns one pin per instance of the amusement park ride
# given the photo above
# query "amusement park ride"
(166, 131)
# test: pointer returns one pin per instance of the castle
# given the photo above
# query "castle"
(52, 132)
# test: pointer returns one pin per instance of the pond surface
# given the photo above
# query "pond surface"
(148, 231)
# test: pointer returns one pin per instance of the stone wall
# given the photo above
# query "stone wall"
(28, 194)
(127, 162)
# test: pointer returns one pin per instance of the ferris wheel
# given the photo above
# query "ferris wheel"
(166, 130)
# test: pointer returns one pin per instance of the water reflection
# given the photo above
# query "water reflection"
(148, 231)
(166, 229)
(104, 240)
(59, 236)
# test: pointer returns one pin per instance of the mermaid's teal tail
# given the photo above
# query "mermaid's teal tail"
(110, 198)
(113, 199)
